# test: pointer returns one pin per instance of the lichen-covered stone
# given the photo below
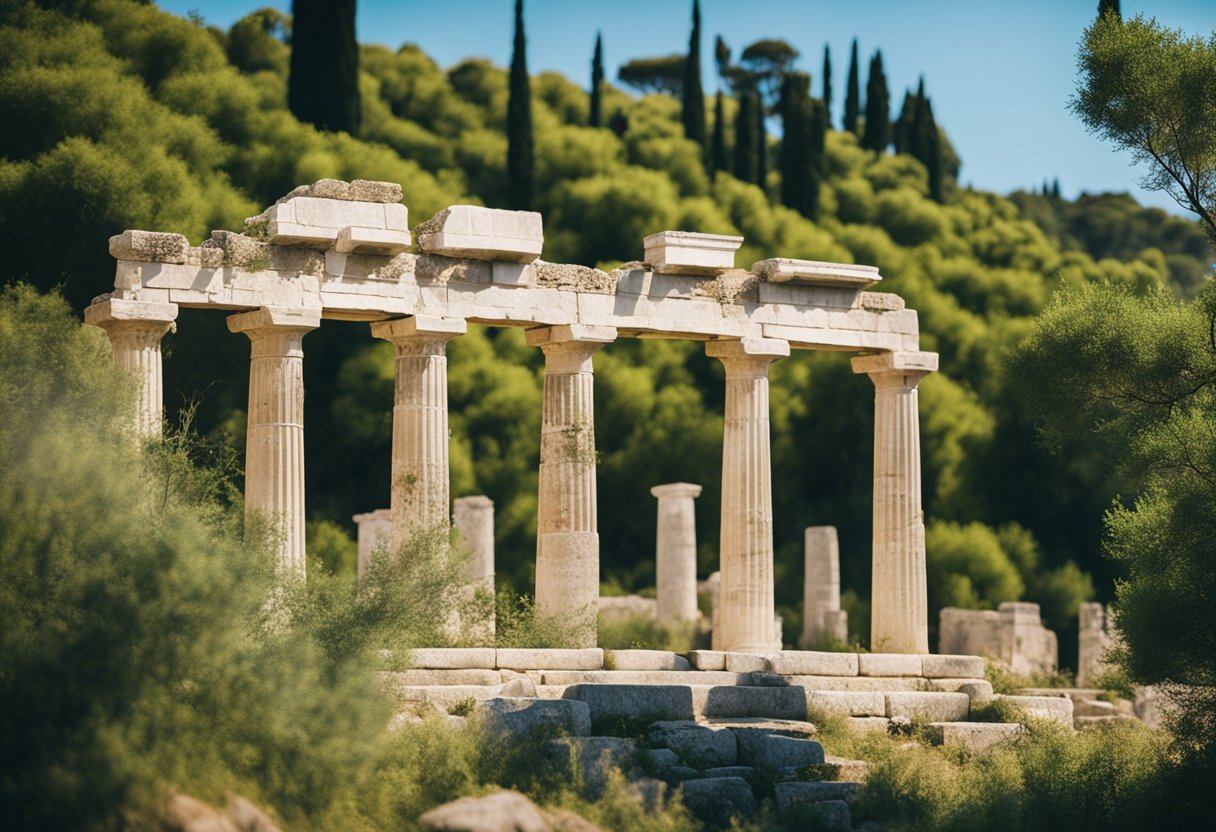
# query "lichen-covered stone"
(149, 246)
(697, 745)
(574, 278)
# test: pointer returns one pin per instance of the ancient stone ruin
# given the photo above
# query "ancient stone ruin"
(1013, 634)
(337, 250)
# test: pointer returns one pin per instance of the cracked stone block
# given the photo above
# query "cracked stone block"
(150, 246)
(483, 234)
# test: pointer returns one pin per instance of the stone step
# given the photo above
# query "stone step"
(503, 658)
(1081, 722)
(643, 677)
(430, 678)
(1094, 707)
(934, 707)
(446, 698)
(718, 800)
(645, 660)
(974, 736)
(840, 770)
(870, 723)
(521, 716)
(857, 683)
(642, 704)
(1055, 708)
(847, 703)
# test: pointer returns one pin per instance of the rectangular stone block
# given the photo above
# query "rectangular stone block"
(643, 677)
(150, 246)
(465, 676)
(316, 221)
(451, 658)
(814, 272)
(1056, 708)
(707, 659)
(847, 703)
(889, 664)
(750, 662)
(946, 667)
(858, 683)
(513, 274)
(633, 705)
(590, 658)
(815, 663)
(763, 702)
(685, 252)
(648, 660)
(869, 723)
(974, 736)
(935, 707)
(380, 241)
(483, 234)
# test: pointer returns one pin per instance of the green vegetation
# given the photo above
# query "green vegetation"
(692, 103)
(519, 121)
(323, 85)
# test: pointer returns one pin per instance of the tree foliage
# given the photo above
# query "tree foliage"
(665, 75)
(852, 94)
(595, 115)
(692, 112)
(519, 121)
(323, 87)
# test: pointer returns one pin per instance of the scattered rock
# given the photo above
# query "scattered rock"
(504, 811)
(697, 745)
(717, 800)
(522, 716)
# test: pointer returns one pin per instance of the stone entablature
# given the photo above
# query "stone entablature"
(334, 250)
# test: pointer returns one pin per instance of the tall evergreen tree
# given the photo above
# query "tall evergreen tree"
(692, 112)
(900, 133)
(827, 79)
(1055, 184)
(877, 133)
(745, 136)
(820, 122)
(933, 150)
(1109, 7)
(852, 95)
(718, 158)
(323, 81)
(595, 117)
(761, 144)
(797, 178)
(519, 121)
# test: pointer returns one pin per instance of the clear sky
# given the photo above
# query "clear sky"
(999, 72)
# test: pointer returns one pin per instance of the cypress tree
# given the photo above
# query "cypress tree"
(903, 125)
(761, 144)
(745, 136)
(519, 121)
(1055, 185)
(852, 95)
(717, 153)
(323, 81)
(820, 121)
(596, 117)
(693, 111)
(1109, 7)
(827, 79)
(797, 178)
(878, 108)
(930, 143)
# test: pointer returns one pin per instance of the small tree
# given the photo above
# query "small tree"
(763, 66)
(323, 84)
(877, 133)
(692, 112)
(595, 117)
(519, 121)
(827, 79)
(852, 94)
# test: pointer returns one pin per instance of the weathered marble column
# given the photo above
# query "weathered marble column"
(567, 543)
(745, 602)
(822, 619)
(274, 436)
(899, 617)
(419, 488)
(473, 517)
(135, 329)
(375, 531)
(676, 552)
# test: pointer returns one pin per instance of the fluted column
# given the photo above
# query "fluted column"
(745, 600)
(274, 435)
(676, 552)
(899, 621)
(823, 622)
(567, 543)
(135, 329)
(419, 487)
(473, 519)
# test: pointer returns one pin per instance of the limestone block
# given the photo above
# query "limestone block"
(750, 732)
(633, 705)
(880, 301)
(316, 221)
(513, 274)
(589, 658)
(648, 660)
(451, 658)
(685, 252)
(767, 702)
(748, 773)
(591, 758)
(697, 745)
(841, 769)
(819, 338)
(799, 793)
(814, 272)
(903, 321)
(381, 241)
(716, 800)
(660, 760)
(869, 723)
(935, 707)
(707, 659)
(149, 246)
(465, 676)
(980, 690)
(938, 667)
(815, 663)
(857, 683)
(643, 677)
(1056, 708)
(974, 736)
(847, 703)
(504, 811)
(520, 717)
(889, 664)
(778, 752)
(749, 662)
(442, 698)
(483, 234)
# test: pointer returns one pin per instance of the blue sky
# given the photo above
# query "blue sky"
(999, 72)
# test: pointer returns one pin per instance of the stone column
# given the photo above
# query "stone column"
(473, 517)
(274, 436)
(822, 619)
(899, 618)
(745, 603)
(135, 329)
(1093, 640)
(567, 543)
(375, 531)
(419, 488)
(676, 552)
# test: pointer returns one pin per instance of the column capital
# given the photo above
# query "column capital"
(544, 336)
(274, 318)
(770, 348)
(676, 489)
(419, 328)
(901, 367)
(116, 312)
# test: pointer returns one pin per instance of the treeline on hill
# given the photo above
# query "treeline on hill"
(119, 115)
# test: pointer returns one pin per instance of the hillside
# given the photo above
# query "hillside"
(119, 115)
